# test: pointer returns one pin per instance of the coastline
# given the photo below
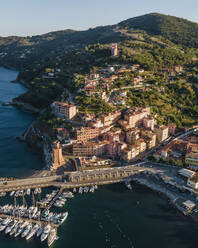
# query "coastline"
(170, 196)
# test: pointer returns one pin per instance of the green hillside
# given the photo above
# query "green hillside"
(177, 30)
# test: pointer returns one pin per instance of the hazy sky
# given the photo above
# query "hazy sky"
(29, 17)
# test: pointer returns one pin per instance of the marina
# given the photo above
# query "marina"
(36, 220)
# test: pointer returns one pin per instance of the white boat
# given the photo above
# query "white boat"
(45, 233)
(26, 231)
(12, 193)
(80, 190)
(33, 231)
(10, 227)
(20, 229)
(74, 190)
(52, 237)
(39, 232)
(64, 217)
(128, 185)
(4, 224)
(92, 189)
(28, 192)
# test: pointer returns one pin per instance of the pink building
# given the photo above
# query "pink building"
(148, 123)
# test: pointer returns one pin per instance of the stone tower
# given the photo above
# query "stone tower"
(57, 157)
(114, 50)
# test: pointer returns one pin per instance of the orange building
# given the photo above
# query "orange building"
(87, 133)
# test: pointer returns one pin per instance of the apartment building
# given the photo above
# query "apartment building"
(62, 109)
(84, 134)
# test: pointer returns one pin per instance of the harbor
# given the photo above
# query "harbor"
(30, 215)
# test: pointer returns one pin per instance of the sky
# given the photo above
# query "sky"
(31, 17)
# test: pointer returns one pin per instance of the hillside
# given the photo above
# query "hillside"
(177, 30)
(56, 65)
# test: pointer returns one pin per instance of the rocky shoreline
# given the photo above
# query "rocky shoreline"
(172, 197)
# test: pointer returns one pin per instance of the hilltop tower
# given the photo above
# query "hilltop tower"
(57, 157)
(114, 50)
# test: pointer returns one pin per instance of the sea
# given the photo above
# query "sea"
(111, 217)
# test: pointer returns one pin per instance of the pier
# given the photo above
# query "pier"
(4, 216)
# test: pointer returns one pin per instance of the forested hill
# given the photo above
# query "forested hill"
(177, 30)
(164, 47)
(20, 52)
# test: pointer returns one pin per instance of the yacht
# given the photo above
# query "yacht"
(74, 190)
(28, 192)
(20, 229)
(128, 185)
(10, 226)
(33, 231)
(52, 237)
(39, 232)
(64, 217)
(80, 190)
(92, 189)
(12, 193)
(45, 233)
(68, 194)
(4, 224)
(26, 231)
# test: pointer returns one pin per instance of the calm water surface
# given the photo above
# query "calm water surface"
(112, 217)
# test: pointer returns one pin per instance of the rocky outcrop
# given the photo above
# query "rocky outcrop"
(25, 106)
(34, 138)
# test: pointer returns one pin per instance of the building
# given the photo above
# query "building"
(189, 205)
(148, 123)
(171, 128)
(149, 137)
(193, 181)
(114, 50)
(84, 134)
(122, 93)
(111, 118)
(191, 159)
(114, 149)
(57, 157)
(162, 133)
(62, 109)
(185, 173)
(132, 135)
(135, 115)
(90, 149)
(111, 136)
(94, 162)
(130, 152)
(142, 145)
